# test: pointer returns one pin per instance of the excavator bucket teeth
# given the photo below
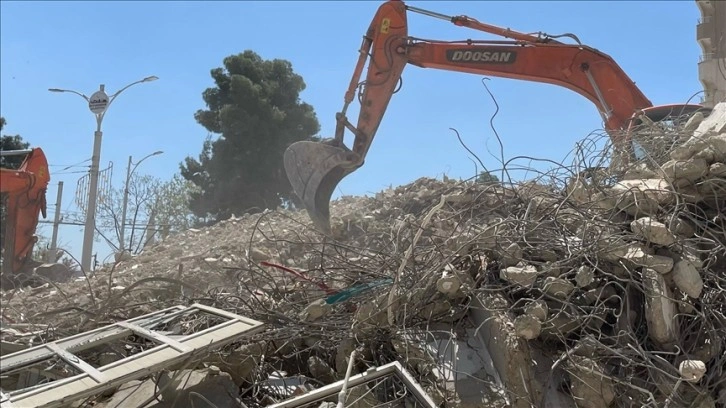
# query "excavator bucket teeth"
(314, 170)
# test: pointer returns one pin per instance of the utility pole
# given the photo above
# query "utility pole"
(53, 254)
(98, 104)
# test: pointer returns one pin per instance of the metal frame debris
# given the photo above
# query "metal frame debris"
(392, 369)
(171, 350)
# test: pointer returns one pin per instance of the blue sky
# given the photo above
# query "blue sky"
(79, 45)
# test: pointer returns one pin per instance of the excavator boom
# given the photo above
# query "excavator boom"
(315, 169)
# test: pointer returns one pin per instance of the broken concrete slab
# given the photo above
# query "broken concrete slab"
(454, 283)
(579, 191)
(321, 370)
(708, 147)
(591, 387)
(510, 354)
(717, 144)
(641, 256)
(521, 275)
(372, 314)
(184, 388)
(315, 310)
(693, 122)
(560, 324)
(449, 285)
(342, 355)
(638, 172)
(644, 195)
(54, 272)
(241, 362)
(660, 311)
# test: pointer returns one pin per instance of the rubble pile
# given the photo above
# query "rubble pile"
(605, 289)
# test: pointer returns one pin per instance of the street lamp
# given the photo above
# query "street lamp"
(129, 172)
(98, 103)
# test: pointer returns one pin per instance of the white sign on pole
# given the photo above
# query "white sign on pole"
(98, 102)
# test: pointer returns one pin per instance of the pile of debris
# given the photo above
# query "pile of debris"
(605, 289)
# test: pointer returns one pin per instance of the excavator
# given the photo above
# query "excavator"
(314, 168)
(25, 188)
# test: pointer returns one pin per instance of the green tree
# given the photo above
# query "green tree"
(155, 209)
(142, 192)
(171, 207)
(11, 143)
(487, 178)
(256, 110)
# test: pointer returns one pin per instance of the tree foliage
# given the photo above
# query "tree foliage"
(172, 213)
(486, 177)
(256, 110)
(11, 143)
(155, 209)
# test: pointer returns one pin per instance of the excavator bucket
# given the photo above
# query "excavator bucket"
(314, 170)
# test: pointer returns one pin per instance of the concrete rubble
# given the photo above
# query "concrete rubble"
(573, 290)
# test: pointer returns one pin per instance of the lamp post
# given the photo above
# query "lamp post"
(98, 103)
(129, 172)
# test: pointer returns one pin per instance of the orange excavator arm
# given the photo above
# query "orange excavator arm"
(25, 188)
(314, 169)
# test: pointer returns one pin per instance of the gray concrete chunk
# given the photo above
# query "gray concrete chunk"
(691, 169)
(653, 231)
(640, 257)
(527, 327)
(717, 170)
(692, 370)
(538, 309)
(645, 195)
(714, 123)
(557, 287)
(687, 278)
(591, 387)
(585, 276)
(511, 255)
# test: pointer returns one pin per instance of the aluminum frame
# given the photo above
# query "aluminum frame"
(91, 381)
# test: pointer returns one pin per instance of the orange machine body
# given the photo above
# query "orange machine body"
(26, 189)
